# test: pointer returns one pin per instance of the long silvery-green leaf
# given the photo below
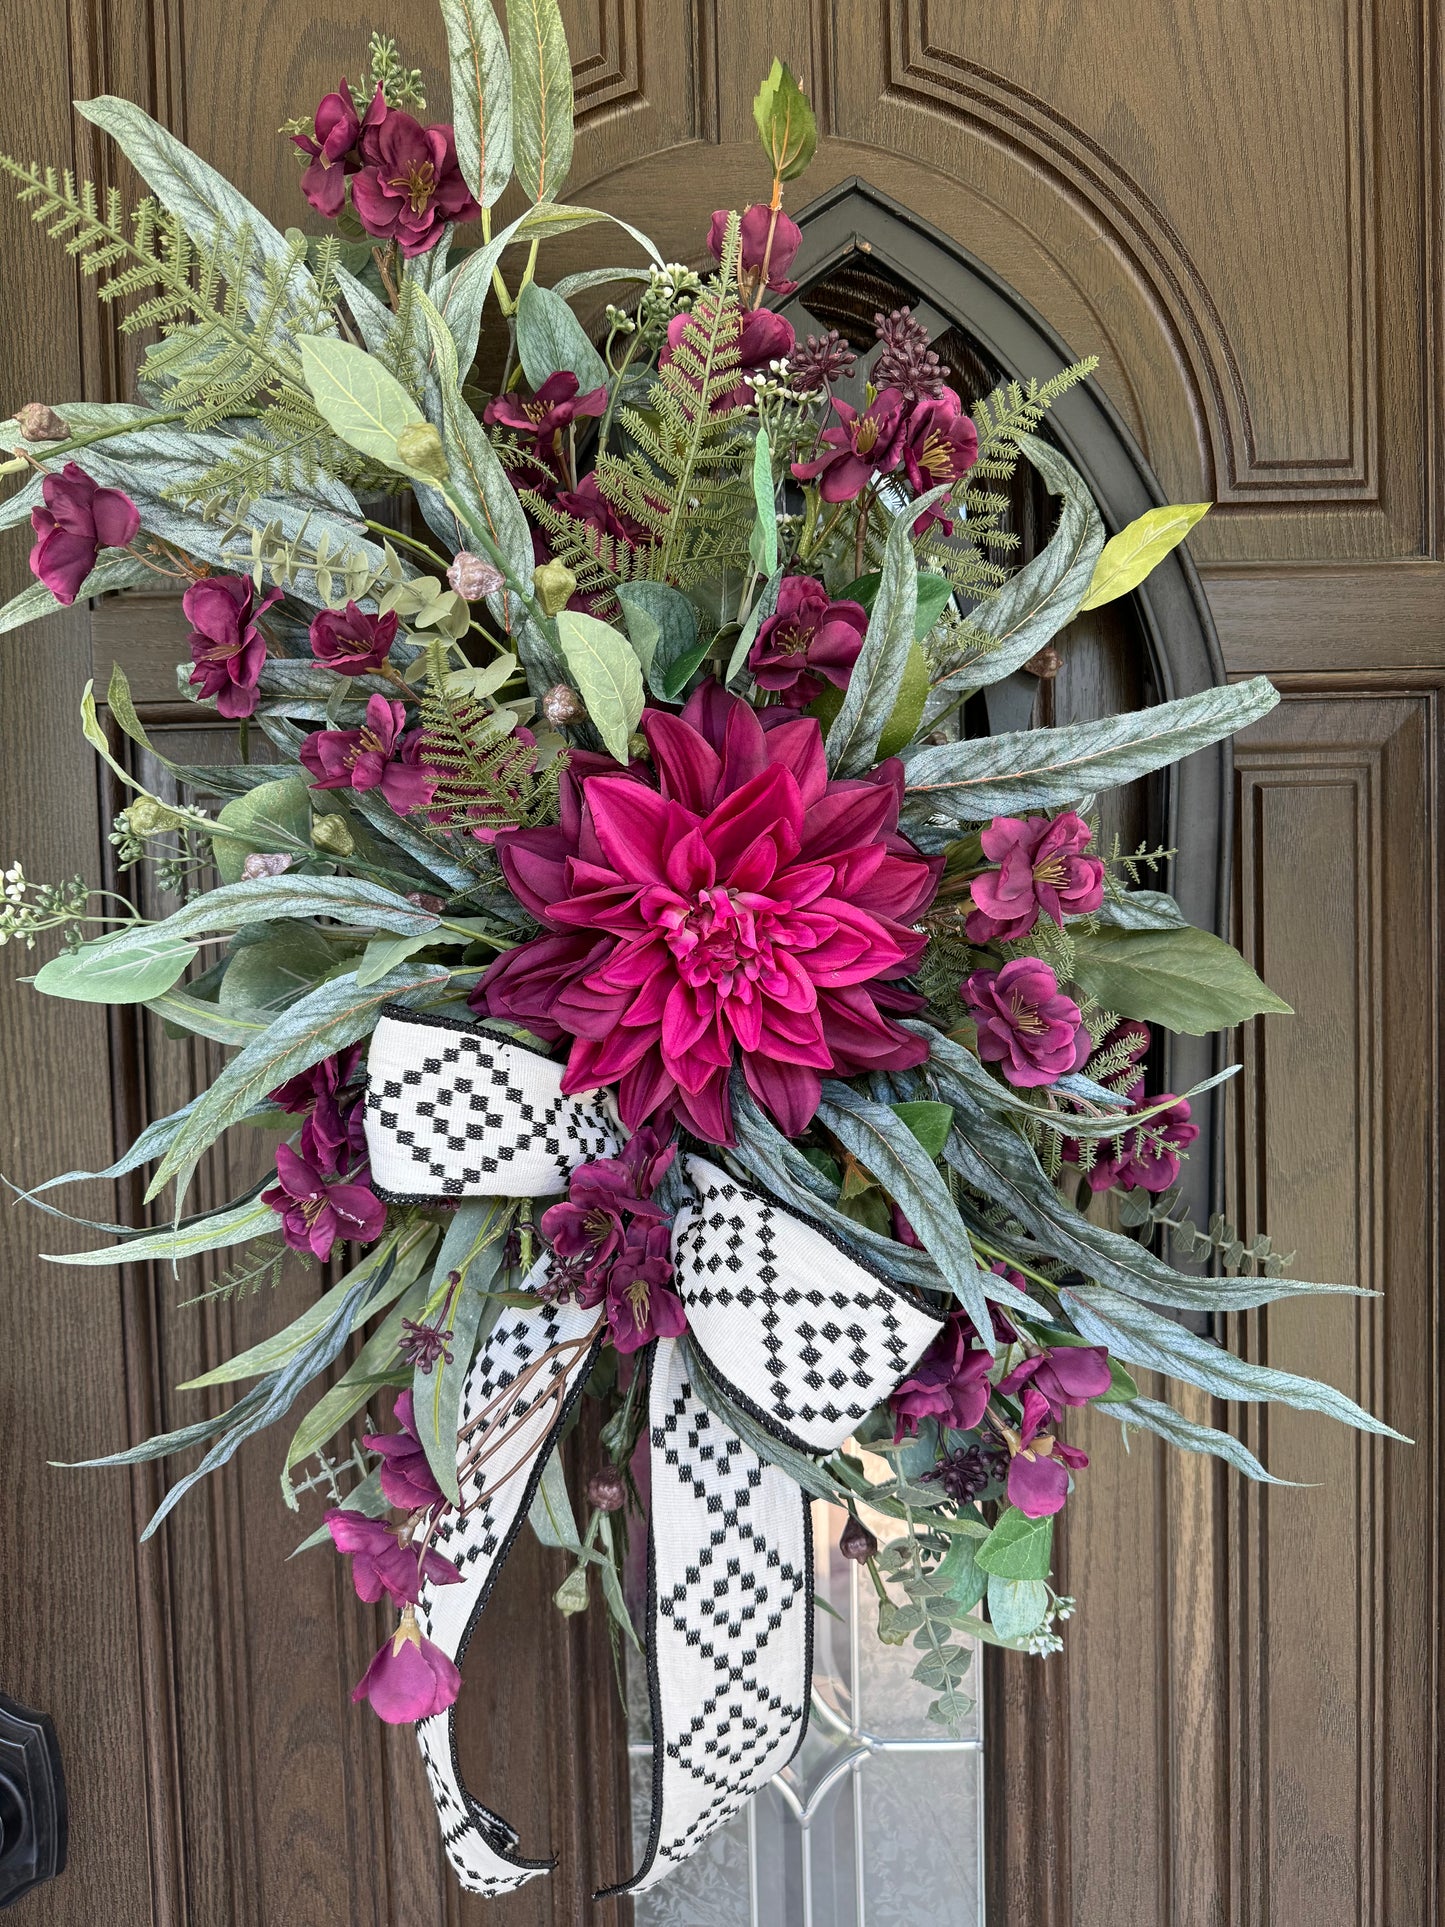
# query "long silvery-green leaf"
(114, 569)
(550, 339)
(205, 201)
(993, 1159)
(373, 1368)
(249, 1220)
(878, 673)
(1139, 1336)
(541, 97)
(482, 487)
(150, 1144)
(1141, 910)
(281, 1346)
(462, 296)
(371, 805)
(481, 96)
(334, 1015)
(475, 1234)
(204, 1019)
(968, 782)
(1033, 605)
(1152, 1415)
(765, 606)
(351, 900)
(374, 320)
(884, 1145)
(604, 666)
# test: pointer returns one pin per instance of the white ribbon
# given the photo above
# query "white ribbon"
(793, 1330)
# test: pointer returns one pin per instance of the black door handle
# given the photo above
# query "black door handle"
(32, 1801)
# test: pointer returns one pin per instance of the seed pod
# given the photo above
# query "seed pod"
(419, 448)
(571, 1596)
(331, 834)
(607, 1490)
(555, 585)
(424, 900)
(562, 705)
(39, 423)
(473, 577)
(146, 816)
(857, 1543)
(262, 864)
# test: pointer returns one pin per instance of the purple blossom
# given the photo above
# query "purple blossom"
(411, 1678)
(544, 417)
(1026, 1024)
(410, 186)
(332, 144)
(350, 641)
(227, 646)
(1038, 1473)
(315, 1215)
(940, 445)
(380, 1563)
(1146, 1157)
(809, 638)
(859, 446)
(753, 245)
(612, 1243)
(1063, 1376)
(640, 1305)
(382, 755)
(78, 520)
(949, 1382)
(1041, 867)
(333, 1136)
(763, 338)
(406, 1477)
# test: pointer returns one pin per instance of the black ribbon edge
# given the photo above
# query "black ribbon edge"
(654, 1677)
(488, 1822)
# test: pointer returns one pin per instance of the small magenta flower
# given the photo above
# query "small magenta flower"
(640, 1305)
(763, 338)
(227, 647)
(546, 415)
(1026, 1024)
(410, 186)
(332, 146)
(808, 639)
(859, 446)
(382, 755)
(1041, 867)
(350, 641)
(380, 1563)
(333, 1136)
(411, 1678)
(753, 248)
(315, 1215)
(78, 520)
(406, 1477)
(940, 445)
(1064, 1376)
(949, 1383)
(1146, 1158)
(1039, 1468)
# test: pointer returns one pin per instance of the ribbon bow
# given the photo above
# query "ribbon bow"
(794, 1331)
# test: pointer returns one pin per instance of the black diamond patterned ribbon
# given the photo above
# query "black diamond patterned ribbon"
(789, 1326)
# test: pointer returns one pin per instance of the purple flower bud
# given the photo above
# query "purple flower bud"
(410, 1678)
(857, 1543)
(607, 1489)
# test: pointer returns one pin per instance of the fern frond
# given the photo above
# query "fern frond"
(485, 776)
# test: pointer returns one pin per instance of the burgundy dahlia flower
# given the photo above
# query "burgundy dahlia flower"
(753, 239)
(949, 1383)
(859, 446)
(383, 755)
(1025, 1022)
(809, 638)
(411, 1678)
(1041, 867)
(940, 445)
(381, 1564)
(350, 641)
(78, 520)
(747, 908)
(314, 1214)
(406, 1477)
(227, 646)
(409, 187)
(332, 146)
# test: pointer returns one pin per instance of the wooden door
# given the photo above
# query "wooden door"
(1237, 209)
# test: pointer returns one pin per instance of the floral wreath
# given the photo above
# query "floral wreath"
(656, 992)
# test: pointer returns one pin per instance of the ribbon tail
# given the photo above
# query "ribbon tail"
(730, 1620)
(556, 1345)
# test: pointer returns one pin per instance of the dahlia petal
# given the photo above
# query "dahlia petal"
(848, 817)
(688, 767)
(635, 826)
(644, 1090)
(744, 747)
(767, 805)
(707, 1111)
(798, 746)
(690, 865)
(790, 1093)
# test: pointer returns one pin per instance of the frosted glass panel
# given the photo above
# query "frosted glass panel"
(879, 1820)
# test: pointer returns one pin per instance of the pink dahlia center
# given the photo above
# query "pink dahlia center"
(726, 938)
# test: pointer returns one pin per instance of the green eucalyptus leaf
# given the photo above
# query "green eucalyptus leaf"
(1018, 1547)
(481, 71)
(604, 667)
(542, 108)
(1138, 549)
(550, 339)
(123, 967)
(765, 606)
(275, 818)
(551, 1516)
(385, 953)
(954, 784)
(929, 1122)
(181, 1012)
(359, 399)
(902, 726)
(1016, 1607)
(1186, 979)
(934, 594)
(264, 977)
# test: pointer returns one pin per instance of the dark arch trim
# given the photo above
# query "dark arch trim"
(853, 218)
